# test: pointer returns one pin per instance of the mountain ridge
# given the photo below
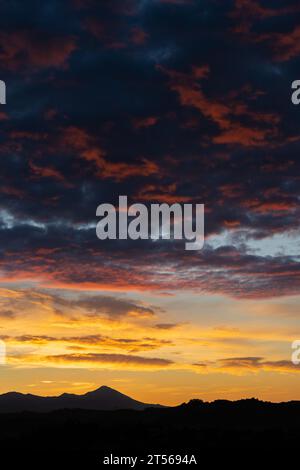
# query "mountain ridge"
(103, 398)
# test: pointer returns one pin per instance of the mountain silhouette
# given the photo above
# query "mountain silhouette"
(104, 398)
(214, 432)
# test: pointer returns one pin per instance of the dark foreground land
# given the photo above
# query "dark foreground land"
(213, 432)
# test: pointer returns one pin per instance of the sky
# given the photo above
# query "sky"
(184, 101)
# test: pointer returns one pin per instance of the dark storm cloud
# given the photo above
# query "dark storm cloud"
(162, 100)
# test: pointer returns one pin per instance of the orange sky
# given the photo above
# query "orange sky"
(156, 348)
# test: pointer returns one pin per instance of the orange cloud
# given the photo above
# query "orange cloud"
(160, 193)
(145, 122)
(285, 45)
(96, 360)
(263, 207)
(90, 341)
(79, 140)
(47, 172)
(246, 12)
(20, 49)
(138, 36)
(225, 113)
(104, 32)
(242, 135)
(4, 116)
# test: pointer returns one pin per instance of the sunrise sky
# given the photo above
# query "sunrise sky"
(162, 101)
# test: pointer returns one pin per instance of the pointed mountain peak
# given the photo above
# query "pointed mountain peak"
(103, 390)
